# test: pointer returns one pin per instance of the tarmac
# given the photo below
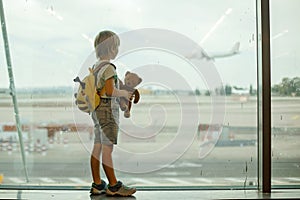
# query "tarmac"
(66, 157)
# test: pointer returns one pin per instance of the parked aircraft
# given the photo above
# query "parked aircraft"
(239, 91)
(203, 55)
(4, 91)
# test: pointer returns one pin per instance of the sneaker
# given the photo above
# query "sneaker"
(98, 189)
(120, 190)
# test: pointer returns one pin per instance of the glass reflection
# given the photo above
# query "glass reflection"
(57, 44)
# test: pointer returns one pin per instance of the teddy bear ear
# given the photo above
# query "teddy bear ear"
(128, 72)
(140, 80)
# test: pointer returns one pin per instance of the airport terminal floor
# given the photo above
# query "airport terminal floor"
(153, 194)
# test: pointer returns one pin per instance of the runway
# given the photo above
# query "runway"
(163, 160)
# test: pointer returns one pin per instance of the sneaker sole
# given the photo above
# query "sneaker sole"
(110, 193)
(95, 191)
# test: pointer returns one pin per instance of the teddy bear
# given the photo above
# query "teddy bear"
(131, 80)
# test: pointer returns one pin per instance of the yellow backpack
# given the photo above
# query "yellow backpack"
(87, 96)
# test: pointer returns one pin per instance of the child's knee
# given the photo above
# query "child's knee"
(96, 149)
(107, 149)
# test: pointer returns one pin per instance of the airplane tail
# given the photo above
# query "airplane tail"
(236, 48)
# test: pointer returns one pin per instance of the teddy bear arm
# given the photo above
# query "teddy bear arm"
(123, 104)
(121, 84)
(136, 96)
(129, 106)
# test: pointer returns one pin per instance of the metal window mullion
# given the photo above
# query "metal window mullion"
(266, 98)
(12, 87)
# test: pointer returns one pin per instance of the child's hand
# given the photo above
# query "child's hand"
(126, 94)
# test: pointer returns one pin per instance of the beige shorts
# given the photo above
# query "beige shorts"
(106, 121)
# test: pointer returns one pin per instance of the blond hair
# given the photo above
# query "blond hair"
(105, 42)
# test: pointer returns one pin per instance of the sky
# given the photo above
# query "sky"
(51, 42)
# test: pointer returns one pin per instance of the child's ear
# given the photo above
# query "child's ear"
(112, 50)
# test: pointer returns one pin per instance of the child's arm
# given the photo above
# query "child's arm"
(112, 91)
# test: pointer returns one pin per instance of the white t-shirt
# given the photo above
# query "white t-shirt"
(106, 72)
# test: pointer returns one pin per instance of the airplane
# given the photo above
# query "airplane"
(239, 91)
(201, 55)
(4, 91)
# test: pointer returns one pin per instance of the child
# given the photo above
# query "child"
(106, 117)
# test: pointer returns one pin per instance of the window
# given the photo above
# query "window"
(285, 93)
(196, 122)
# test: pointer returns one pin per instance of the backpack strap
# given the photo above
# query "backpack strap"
(97, 69)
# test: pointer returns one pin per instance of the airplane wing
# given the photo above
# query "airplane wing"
(202, 55)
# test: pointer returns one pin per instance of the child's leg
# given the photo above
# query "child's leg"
(107, 164)
(95, 163)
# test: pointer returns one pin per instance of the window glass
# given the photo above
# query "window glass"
(285, 92)
(196, 121)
